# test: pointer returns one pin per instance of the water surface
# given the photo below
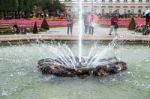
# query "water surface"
(20, 79)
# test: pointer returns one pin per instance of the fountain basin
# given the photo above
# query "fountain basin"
(108, 67)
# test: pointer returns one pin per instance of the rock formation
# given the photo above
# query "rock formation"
(57, 67)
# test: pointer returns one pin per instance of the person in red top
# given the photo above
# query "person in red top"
(114, 24)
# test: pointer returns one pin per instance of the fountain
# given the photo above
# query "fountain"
(69, 65)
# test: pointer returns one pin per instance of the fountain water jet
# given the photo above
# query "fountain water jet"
(80, 28)
(66, 64)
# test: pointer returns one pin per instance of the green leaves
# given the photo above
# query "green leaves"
(27, 5)
(8, 5)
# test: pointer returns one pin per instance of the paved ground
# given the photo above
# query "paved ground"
(101, 33)
(97, 31)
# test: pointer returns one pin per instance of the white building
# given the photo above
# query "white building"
(108, 6)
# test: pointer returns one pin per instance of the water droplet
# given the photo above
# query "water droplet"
(4, 93)
(11, 75)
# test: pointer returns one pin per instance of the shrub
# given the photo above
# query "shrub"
(132, 24)
(45, 25)
(35, 29)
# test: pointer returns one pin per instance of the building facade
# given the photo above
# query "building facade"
(109, 6)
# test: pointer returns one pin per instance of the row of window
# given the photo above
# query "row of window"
(125, 11)
(127, 1)
(113, 1)
(147, 7)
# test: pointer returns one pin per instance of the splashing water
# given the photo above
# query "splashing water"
(66, 57)
(95, 55)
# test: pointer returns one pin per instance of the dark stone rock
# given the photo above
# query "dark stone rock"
(58, 67)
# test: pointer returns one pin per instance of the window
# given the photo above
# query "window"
(139, 11)
(117, 11)
(132, 7)
(133, 0)
(140, 7)
(148, 7)
(103, 11)
(125, 11)
(110, 11)
(103, 0)
(110, 6)
(125, 6)
(118, 7)
(118, 0)
(133, 11)
(103, 7)
(125, 0)
(140, 0)
(129, 11)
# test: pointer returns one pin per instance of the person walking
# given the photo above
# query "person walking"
(69, 25)
(147, 25)
(86, 24)
(91, 26)
(147, 19)
(114, 24)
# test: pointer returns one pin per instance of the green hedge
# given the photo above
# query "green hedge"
(45, 25)
(132, 24)
(35, 29)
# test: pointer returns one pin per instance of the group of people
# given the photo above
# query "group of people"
(17, 29)
(89, 25)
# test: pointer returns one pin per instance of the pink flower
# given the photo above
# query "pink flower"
(30, 22)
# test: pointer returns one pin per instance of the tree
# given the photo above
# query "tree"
(132, 24)
(26, 6)
(45, 25)
(35, 29)
(51, 5)
(23, 8)
(59, 6)
(8, 6)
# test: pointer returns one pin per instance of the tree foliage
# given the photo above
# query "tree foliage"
(8, 5)
(27, 6)
(51, 5)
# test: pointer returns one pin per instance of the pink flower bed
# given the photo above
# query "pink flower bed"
(29, 23)
(123, 22)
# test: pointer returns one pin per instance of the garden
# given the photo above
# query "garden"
(123, 22)
(28, 24)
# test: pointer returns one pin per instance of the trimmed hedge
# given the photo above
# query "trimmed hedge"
(35, 29)
(132, 24)
(45, 25)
